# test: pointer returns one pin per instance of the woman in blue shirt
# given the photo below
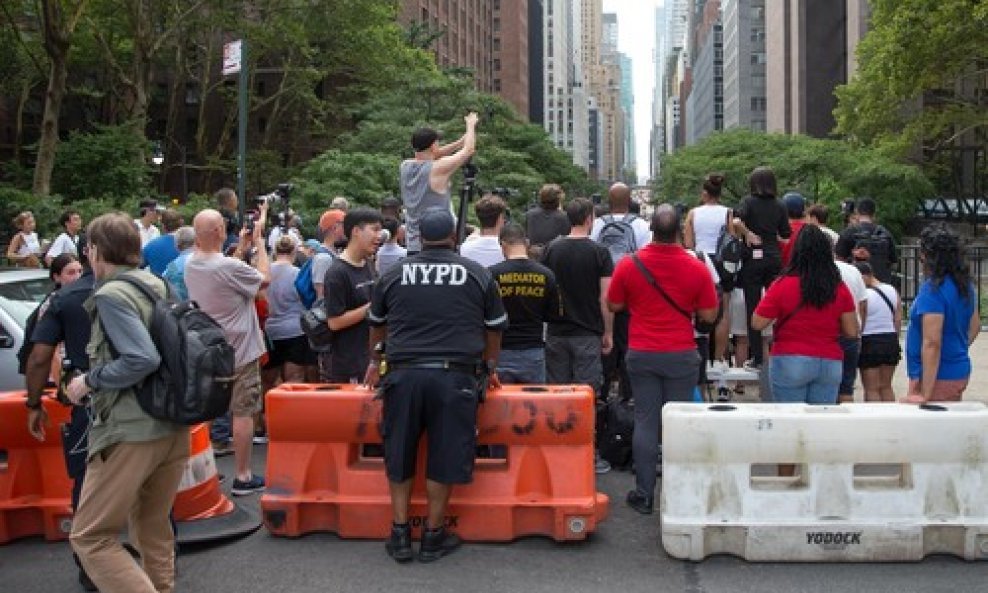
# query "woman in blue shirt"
(943, 320)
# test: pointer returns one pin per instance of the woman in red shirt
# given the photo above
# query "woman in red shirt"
(811, 308)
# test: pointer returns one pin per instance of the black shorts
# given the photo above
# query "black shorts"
(293, 350)
(879, 350)
(444, 405)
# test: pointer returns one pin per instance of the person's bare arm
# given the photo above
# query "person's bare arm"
(445, 166)
(863, 314)
(373, 375)
(492, 350)
(607, 340)
(15, 245)
(849, 325)
(616, 307)
(452, 147)
(348, 319)
(707, 315)
(689, 233)
(758, 323)
(932, 324)
(897, 315)
(973, 327)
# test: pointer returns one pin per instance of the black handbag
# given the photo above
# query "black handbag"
(316, 328)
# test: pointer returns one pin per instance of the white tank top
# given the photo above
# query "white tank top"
(880, 320)
(707, 222)
(30, 244)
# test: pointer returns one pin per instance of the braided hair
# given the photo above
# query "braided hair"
(812, 261)
(943, 257)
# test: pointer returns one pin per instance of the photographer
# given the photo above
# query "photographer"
(225, 288)
(425, 179)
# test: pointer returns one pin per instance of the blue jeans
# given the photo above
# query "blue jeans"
(522, 367)
(849, 371)
(805, 379)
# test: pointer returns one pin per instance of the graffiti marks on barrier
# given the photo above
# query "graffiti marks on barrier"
(764, 424)
(419, 521)
(369, 414)
(557, 426)
(526, 429)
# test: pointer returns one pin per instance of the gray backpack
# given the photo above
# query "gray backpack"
(618, 236)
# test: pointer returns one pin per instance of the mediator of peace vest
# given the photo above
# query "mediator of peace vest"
(424, 179)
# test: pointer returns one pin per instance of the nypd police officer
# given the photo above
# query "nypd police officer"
(442, 318)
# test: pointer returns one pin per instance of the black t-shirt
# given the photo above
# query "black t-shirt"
(879, 242)
(579, 265)
(767, 218)
(437, 305)
(347, 287)
(67, 321)
(542, 226)
(530, 296)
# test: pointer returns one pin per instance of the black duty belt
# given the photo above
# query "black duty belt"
(443, 365)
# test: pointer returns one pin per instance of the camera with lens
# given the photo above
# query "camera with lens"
(278, 199)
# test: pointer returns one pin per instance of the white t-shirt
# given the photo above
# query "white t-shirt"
(30, 245)
(708, 220)
(484, 250)
(855, 283)
(147, 234)
(64, 244)
(320, 263)
(643, 234)
(881, 320)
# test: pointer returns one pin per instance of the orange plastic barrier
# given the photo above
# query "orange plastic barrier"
(35, 492)
(319, 478)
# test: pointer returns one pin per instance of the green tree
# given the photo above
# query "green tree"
(920, 83)
(825, 171)
(108, 162)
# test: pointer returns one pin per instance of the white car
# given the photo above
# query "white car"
(21, 291)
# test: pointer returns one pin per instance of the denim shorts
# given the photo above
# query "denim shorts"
(805, 379)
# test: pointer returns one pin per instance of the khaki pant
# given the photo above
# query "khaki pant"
(135, 484)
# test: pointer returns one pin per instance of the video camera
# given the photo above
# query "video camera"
(278, 203)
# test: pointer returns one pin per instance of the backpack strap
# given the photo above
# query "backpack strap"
(143, 287)
(651, 280)
(884, 298)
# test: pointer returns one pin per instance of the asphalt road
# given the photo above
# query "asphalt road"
(624, 555)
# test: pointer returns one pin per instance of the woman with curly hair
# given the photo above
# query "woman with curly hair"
(943, 320)
(811, 308)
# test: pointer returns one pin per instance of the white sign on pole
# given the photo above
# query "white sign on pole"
(231, 57)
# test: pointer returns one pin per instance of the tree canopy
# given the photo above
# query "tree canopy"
(824, 171)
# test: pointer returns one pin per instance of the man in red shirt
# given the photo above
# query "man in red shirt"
(662, 287)
(795, 205)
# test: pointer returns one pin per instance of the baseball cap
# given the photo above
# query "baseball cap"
(436, 224)
(795, 204)
(330, 218)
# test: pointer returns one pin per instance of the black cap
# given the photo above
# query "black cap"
(436, 224)
(795, 204)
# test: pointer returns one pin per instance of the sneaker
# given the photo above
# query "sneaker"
(242, 488)
(723, 394)
(399, 544)
(719, 367)
(222, 449)
(752, 367)
(437, 543)
(600, 465)
(639, 502)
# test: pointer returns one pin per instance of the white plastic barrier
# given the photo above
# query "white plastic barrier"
(873, 482)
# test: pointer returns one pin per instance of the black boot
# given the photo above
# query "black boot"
(399, 544)
(437, 543)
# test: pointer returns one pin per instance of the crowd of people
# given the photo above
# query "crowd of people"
(571, 293)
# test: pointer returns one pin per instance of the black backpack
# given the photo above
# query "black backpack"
(618, 236)
(616, 429)
(730, 256)
(194, 382)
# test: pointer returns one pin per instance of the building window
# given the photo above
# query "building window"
(497, 45)
(497, 85)
(497, 65)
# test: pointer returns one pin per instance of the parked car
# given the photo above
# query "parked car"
(21, 291)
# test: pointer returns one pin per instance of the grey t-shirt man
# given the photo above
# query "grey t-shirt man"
(418, 196)
(225, 289)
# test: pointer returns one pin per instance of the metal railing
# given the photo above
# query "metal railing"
(910, 274)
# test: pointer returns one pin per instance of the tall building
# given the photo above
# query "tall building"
(656, 144)
(510, 29)
(673, 58)
(467, 42)
(609, 35)
(809, 53)
(705, 107)
(744, 28)
(628, 109)
(536, 62)
(566, 113)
